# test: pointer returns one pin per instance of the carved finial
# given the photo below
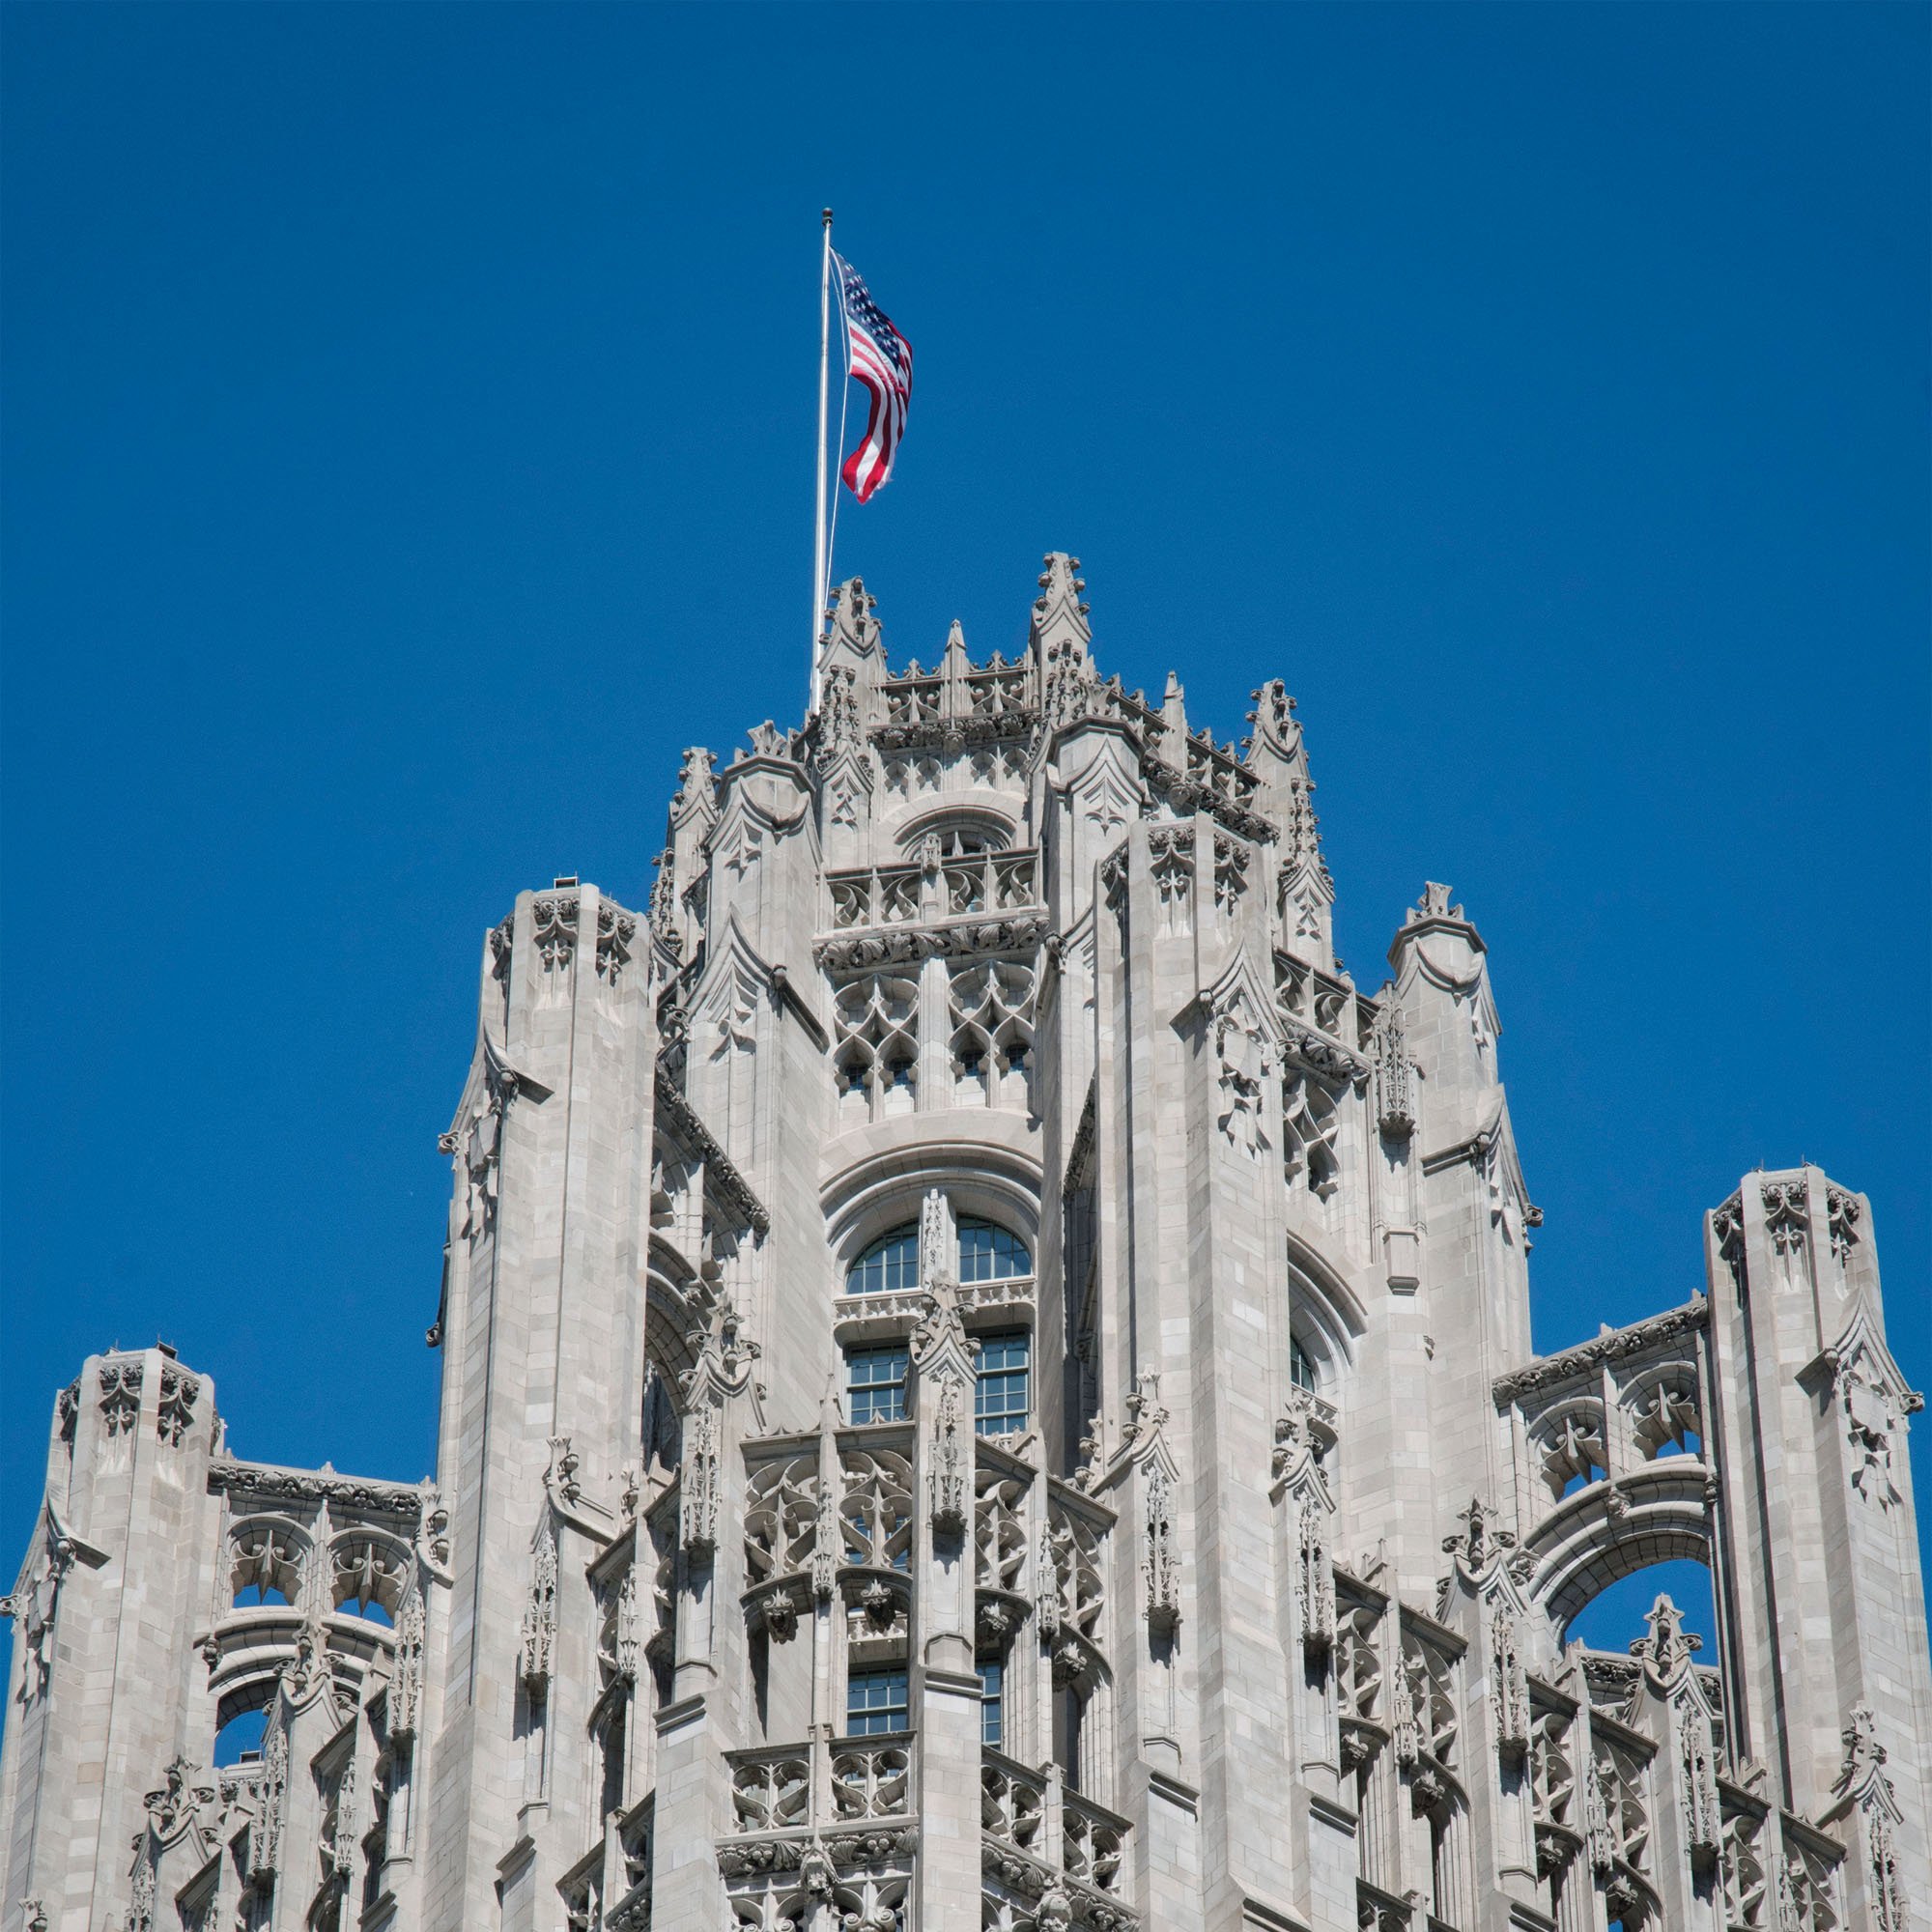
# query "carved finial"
(1433, 904)
(1864, 1756)
(1665, 1653)
(1145, 1413)
(1174, 714)
(1483, 1542)
(696, 787)
(1059, 616)
(561, 1477)
(850, 626)
(1270, 723)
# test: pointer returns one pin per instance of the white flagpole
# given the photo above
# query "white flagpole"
(819, 587)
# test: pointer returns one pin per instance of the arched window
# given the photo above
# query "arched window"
(962, 835)
(888, 1266)
(1301, 1371)
(988, 1252)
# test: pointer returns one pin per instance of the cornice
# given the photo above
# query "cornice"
(1615, 1347)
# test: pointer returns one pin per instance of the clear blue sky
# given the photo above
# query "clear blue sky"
(407, 429)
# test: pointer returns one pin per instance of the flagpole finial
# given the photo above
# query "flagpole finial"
(825, 215)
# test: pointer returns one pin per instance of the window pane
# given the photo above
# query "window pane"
(875, 1382)
(1300, 1365)
(992, 1675)
(989, 1253)
(890, 1264)
(876, 1700)
(1000, 1396)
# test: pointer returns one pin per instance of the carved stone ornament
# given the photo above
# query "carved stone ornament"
(141, 1889)
(697, 794)
(1160, 1564)
(1047, 1603)
(264, 1835)
(1697, 1779)
(1586, 1356)
(1842, 1209)
(553, 918)
(950, 1477)
(629, 1627)
(561, 1478)
(1862, 1787)
(1874, 1409)
(340, 1850)
(1394, 1074)
(699, 1484)
(537, 1638)
(1785, 1216)
(1055, 1911)
(1509, 1682)
(308, 1676)
(1314, 1578)
(172, 1808)
(175, 1416)
(617, 932)
(1246, 1062)
(33, 1605)
(1665, 1653)
(1483, 1543)
(432, 1538)
(120, 1395)
(406, 1683)
(827, 1544)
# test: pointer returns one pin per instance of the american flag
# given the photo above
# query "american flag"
(881, 359)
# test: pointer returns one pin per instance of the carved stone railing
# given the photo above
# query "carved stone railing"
(582, 1890)
(771, 1788)
(902, 1309)
(885, 895)
(1380, 1911)
(1094, 1844)
(871, 1778)
(1012, 1801)
(628, 1865)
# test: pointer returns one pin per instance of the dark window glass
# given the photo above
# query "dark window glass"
(990, 1253)
(890, 1264)
(1300, 1365)
(1000, 1399)
(875, 1701)
(875, 1381)
(992, 1675)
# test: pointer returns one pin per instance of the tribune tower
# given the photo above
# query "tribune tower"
(987, 1387)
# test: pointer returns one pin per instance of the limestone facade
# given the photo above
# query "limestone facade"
(987, 1387)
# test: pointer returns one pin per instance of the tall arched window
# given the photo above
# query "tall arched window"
(988, 1252)
(1301, 1369)
(890, 1264)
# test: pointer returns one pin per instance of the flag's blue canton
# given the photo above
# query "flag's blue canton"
(861, 308)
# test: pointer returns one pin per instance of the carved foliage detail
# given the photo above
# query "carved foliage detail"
(1160, 1564)
(951, 1460)
(538, 1635)
(698, 1487)
(120, 1395)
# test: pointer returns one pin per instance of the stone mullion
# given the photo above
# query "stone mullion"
(935, 1037)
(1031, 1696)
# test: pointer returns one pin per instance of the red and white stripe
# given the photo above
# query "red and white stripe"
(881, 359)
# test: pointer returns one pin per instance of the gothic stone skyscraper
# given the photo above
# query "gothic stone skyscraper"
(987, 1383)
